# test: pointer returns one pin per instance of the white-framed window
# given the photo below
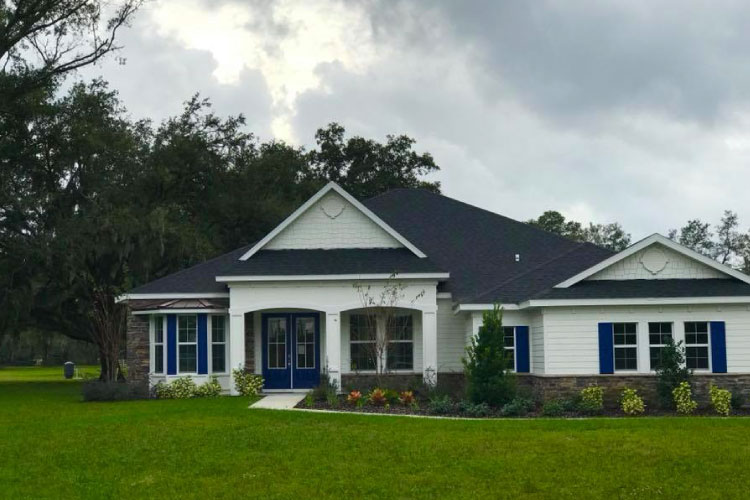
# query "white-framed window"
(304, 329)
(659, 335)
(157, 346)
(218, 344)
(187, 344)
(697, 345)
(626, 346)
(362, 342)
(509, 344)
(400, 351)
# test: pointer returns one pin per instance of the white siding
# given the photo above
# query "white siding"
(571, 340)
(677, 266)
(537, 341)
(332, 222)
(451, 337)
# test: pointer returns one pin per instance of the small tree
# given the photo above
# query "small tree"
(486, 365)
(671, 371)
(381, 316)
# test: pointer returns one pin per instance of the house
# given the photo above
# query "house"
(289, 307)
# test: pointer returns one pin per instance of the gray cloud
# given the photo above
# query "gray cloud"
(638, 112)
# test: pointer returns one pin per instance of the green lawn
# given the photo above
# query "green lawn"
(53, 445)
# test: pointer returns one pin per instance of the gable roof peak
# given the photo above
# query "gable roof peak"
(332, 186)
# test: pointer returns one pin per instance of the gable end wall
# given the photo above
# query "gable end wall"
(679, 266)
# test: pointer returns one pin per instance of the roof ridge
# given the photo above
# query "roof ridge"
(485, 210)
(529, 271)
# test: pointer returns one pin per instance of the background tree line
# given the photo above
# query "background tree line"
(724, 242)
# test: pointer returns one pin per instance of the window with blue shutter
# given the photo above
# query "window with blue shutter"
(606, 348)
(171, 344)
(202, 344)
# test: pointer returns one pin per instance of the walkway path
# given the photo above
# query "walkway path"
(279, 401)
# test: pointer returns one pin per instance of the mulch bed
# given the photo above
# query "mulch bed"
(397, 409)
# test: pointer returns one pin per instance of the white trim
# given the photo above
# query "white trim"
(152, 346)
(142, 296)
(332, 277)
(332, 186)
(485, 307)
(179, 311)
(444, 295)
(636, 301)
(654, 238)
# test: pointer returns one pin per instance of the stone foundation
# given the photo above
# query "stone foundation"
(543, 388)
(137, 348)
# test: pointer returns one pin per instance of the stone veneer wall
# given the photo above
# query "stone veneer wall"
(249, 343)
(545, 388)
(137, 347)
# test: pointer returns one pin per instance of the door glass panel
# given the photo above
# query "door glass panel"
(305, 329)
(276, 343)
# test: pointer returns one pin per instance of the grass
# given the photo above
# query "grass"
(43, 373)
(54, 446)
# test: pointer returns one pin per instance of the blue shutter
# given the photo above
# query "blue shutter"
(522, 349)
(202, 344)
(171, 344)
(606, 348)
(718, 347)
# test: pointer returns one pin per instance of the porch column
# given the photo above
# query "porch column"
(429, 346)
(333, 347)
(236, 344)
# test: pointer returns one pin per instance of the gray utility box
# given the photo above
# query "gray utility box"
(69, 369)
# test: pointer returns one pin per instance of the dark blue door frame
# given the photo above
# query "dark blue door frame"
(290, 376)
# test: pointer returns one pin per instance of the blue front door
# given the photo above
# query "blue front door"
(291, 350)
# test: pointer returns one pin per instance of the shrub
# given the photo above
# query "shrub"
(683, 399)
(377, 397)
(486, 365)
(406, 398)
(671, 372)
(96, 390)
(518, 407)
(631, 403)
(721, 400)
(332, 398)
(354, 398)
(183, 388)
(391, 396)
(553, 408)
(475, 410)
(309, 400)
(247, 384)
(210, 389)
(440, 405)
(591, 399)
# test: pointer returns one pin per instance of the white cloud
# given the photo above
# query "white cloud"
(309, 34)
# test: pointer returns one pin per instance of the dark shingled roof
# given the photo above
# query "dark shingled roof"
(334, 261)
(478, 247)
(669, 288)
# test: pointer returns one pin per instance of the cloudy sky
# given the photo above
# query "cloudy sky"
(635, 111)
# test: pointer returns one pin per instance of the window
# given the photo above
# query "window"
(218, 344)
(696, 345)
(187, 343)
(362, 339)
(509, 342)
(659, 335)
(400, 355)
(626, 346)
(277, 343)
(305, 329)
(158, 347)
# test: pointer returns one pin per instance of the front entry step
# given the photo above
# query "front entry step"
(279, 401)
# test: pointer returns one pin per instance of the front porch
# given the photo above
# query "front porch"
(292, 334)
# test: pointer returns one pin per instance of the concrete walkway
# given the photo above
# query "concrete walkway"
(279, 401)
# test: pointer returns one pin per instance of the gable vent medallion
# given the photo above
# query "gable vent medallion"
(654, 260)
(332, 207)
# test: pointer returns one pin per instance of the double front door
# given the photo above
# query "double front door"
(291, 350)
